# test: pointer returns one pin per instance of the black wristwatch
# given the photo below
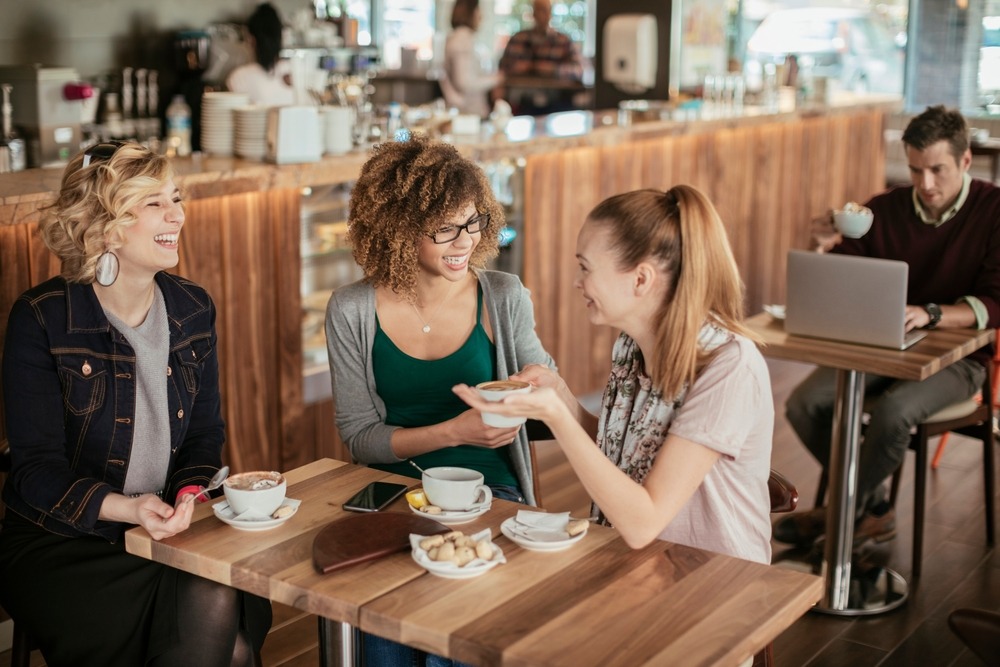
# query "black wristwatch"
(934, 311)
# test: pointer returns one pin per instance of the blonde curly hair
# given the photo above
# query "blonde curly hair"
(96, 203)
(406, 191)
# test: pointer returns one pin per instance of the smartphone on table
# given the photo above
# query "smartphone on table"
(374, 497)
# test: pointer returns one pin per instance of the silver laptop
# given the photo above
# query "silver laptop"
(848, 299)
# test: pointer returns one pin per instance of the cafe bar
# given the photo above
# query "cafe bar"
(409, 261)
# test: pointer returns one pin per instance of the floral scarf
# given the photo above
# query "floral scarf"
(634, 417)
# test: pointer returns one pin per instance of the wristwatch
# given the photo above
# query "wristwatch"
(934, 311)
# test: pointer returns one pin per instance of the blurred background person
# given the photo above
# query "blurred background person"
(467, 81)
(540, 52)
(267, 80)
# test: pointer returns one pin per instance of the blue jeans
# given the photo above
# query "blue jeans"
(381, 652)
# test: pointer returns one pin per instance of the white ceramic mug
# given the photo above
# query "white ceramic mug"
(456, 489)
(261, 491)
(338, 130)
(497, 390)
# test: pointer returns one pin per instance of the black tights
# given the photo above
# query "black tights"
(210, 626)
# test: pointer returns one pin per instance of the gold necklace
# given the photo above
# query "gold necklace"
(427, 323)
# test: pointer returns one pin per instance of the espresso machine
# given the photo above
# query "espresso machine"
(47, 107)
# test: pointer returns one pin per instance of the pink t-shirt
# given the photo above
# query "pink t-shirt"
(729, 409)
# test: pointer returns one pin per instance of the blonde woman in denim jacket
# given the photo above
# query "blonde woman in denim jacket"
(111, 397)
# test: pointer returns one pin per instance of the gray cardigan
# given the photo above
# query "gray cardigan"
(350, 334)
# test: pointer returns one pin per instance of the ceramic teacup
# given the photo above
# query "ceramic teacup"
(456, 489)
(261, 491)
(853, 221)
(497, 390)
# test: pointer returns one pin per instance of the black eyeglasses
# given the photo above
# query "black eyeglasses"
(102, 151)
(452, 232)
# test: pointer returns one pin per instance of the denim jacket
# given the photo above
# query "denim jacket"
(69, 392)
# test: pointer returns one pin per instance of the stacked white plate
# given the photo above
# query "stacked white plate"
(217, 121)
(250, 139)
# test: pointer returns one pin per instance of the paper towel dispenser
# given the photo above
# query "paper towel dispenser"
(630, 52)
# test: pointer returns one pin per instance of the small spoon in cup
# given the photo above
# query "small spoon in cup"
(424, 472)
(217, 479)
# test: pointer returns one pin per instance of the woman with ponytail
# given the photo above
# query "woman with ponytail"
(684, 432)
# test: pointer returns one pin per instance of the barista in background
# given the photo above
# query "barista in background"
(542, 52)
(465, 83)
(267, 80)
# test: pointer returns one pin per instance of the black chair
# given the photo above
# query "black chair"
(21, 643)
(979, 629)
(973, 418)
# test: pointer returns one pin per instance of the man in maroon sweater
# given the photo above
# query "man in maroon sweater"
(946, 227)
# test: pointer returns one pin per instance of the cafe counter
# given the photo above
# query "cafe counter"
(768, 173)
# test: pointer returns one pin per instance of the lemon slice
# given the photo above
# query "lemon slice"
(416, 498)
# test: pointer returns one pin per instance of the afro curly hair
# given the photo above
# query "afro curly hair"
(405, 192)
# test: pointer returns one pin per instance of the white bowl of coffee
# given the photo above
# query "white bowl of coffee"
(497, 390)
(261, 491)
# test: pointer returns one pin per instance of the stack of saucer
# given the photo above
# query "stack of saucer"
(217, 121)
(250, 140)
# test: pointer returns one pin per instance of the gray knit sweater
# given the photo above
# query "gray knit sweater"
(350, 333)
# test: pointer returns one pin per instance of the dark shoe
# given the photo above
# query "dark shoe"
(869, 528)
(878, 528)
(801, 529)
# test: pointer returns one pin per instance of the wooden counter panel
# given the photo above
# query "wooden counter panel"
(766, 180)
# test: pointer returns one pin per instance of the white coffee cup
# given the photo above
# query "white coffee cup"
(456, 489)
(338, 130)
(852, 224)
(497, 390)
(261, 491)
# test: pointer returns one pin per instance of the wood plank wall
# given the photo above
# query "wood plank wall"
(767, 182)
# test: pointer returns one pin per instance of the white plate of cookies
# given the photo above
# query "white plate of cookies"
(455, 555)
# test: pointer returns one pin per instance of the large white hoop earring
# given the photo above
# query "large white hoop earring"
(107, 269)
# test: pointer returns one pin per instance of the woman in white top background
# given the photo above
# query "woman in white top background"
(466, 81)
(267, 80)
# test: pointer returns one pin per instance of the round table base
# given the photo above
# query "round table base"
(873, 592)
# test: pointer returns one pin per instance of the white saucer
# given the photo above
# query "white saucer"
(521, 540)
(226, 515)
(453, 518)
(775, 311)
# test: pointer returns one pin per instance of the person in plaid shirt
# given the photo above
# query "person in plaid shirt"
(542, 52)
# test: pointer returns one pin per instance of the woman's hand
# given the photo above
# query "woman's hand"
(158, 518)
(539, 375)
(542, 403)
(469, 429)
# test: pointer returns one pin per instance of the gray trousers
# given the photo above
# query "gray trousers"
(900, 406)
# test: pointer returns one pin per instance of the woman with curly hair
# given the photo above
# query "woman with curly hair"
(111, 396)
(684, 434)
(423, 223)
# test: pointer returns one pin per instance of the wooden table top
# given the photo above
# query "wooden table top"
(598, 602)
(941, 348)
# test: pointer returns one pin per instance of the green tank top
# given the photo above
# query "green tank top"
(417, 392)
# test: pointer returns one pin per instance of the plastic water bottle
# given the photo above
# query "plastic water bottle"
(179, 126)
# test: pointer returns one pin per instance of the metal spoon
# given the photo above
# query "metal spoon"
(412, 463)
(217, 479)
